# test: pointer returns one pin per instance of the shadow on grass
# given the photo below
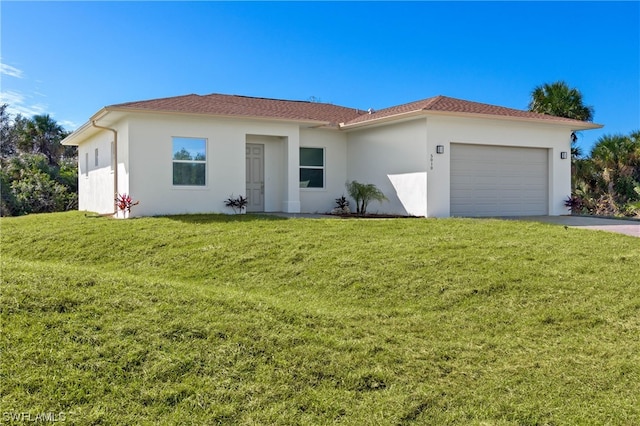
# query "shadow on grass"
(223, 218)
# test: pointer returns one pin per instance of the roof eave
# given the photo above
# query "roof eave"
(72, 139)
(309, 122)
(76, 137)
(573, 124)
(382, 120)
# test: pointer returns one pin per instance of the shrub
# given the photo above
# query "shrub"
(125, 202)
(342, 202)
(38, 193)
(30, 185)
(237, 204)
(364, 193)
(575, 204)
(342, 206)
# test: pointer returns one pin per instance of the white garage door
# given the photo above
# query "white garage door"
(498, 181)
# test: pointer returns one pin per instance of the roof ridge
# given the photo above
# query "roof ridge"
(276, 99)
(404, 105)
(432, 101)
(484, 104)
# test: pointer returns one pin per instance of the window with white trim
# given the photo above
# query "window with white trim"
(311, 167)
(86, 164)
(189, 161)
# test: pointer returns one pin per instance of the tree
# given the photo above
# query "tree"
(37, 174)
(364, 193)
(38, 193)
(608, 181)
(560, 100)
(183, 154)
(31, 185)
(42, 134)
(618, 158)
(9, 132)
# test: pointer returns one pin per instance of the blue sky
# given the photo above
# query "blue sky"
(69, 59)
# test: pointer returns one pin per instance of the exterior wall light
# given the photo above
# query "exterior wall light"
(563, 155)
(440, 149)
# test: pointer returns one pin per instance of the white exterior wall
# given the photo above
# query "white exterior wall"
(447, 130)
(151, 169)
(394, 158)
(397, 157)
(95, 183)
(334, 142)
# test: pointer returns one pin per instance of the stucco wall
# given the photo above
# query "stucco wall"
(334, 142)
(397, 158)
(95, 183)
(388, 155)
(150, 153)
(447, 130)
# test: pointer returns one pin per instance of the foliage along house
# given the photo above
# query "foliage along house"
(435, 157)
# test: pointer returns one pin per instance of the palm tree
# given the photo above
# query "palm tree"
(618, 157)
(364, 193)
(560, 100)
(608, 181)
(43, 134)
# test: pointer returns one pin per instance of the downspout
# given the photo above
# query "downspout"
(115, 166)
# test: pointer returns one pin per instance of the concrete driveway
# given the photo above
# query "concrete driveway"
(626, 227)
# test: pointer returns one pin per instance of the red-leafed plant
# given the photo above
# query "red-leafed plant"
(125, 202)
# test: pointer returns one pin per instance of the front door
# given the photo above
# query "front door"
(255, 177)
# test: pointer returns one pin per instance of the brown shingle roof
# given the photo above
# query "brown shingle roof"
(446, 104)
(245, 106)
(334, 115)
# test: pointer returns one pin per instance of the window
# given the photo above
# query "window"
(189, 161)
(86, 164)
(96, 160)
(311, 167)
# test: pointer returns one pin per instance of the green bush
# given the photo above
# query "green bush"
(364, 193)
(31, 185)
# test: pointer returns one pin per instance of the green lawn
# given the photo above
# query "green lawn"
(262, 320)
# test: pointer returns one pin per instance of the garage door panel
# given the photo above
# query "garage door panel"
(498, 181)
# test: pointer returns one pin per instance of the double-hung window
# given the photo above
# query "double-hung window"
(311, 167)
(189, 161)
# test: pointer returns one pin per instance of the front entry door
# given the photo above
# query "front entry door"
(255, 177)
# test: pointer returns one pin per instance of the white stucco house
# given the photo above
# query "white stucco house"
(436, 157)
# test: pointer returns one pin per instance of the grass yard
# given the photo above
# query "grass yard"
(262, 320)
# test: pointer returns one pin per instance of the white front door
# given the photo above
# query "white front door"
(255, 177)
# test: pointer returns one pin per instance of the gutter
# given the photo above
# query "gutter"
(115, 166)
